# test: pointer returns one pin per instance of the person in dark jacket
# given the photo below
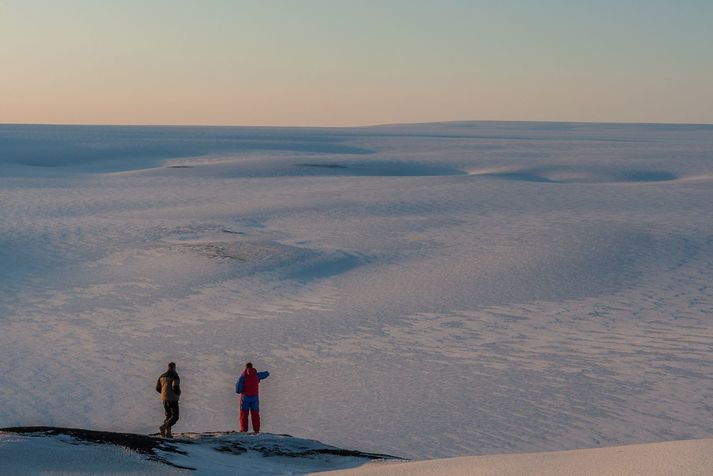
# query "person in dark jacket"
(169, 386)
(247, 387)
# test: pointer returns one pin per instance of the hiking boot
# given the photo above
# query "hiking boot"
(162, 431)
(167, 433)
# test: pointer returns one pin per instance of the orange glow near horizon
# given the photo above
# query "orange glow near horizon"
(351, 63)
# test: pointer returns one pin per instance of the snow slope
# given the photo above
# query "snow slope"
(31, 451)
(675, 458)
(420, 290)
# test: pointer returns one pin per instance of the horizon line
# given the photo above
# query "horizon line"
(356, 126)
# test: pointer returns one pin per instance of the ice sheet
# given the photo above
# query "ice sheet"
(426, 291)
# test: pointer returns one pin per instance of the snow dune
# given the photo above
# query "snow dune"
(424, 291)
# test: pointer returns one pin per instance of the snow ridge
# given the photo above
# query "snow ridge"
(71, 449)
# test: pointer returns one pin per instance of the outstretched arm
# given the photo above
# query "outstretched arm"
(263, 375)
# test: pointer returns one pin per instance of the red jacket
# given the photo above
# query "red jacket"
(249, 381)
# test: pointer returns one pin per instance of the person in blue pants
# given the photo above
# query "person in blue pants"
(248, 387)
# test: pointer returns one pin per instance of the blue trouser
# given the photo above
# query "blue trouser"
(249, 405)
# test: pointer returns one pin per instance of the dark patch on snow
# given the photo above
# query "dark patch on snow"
(143, 444)
(276, 445)
(380, 168)
(323, 451)
(233, 232)
(232, 448)
(324, 166)
(242, 251)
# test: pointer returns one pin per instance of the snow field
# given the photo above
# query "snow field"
(425, 291)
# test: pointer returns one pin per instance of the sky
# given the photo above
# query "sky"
(358, 62)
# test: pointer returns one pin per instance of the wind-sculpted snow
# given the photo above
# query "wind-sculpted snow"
(433, 290)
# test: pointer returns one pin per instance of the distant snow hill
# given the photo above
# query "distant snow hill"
(51, 450)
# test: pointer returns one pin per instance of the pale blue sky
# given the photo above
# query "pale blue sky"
(320, 62)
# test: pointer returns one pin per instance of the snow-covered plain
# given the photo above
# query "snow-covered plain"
(424, 291)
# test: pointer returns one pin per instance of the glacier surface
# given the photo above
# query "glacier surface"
(420, 290)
